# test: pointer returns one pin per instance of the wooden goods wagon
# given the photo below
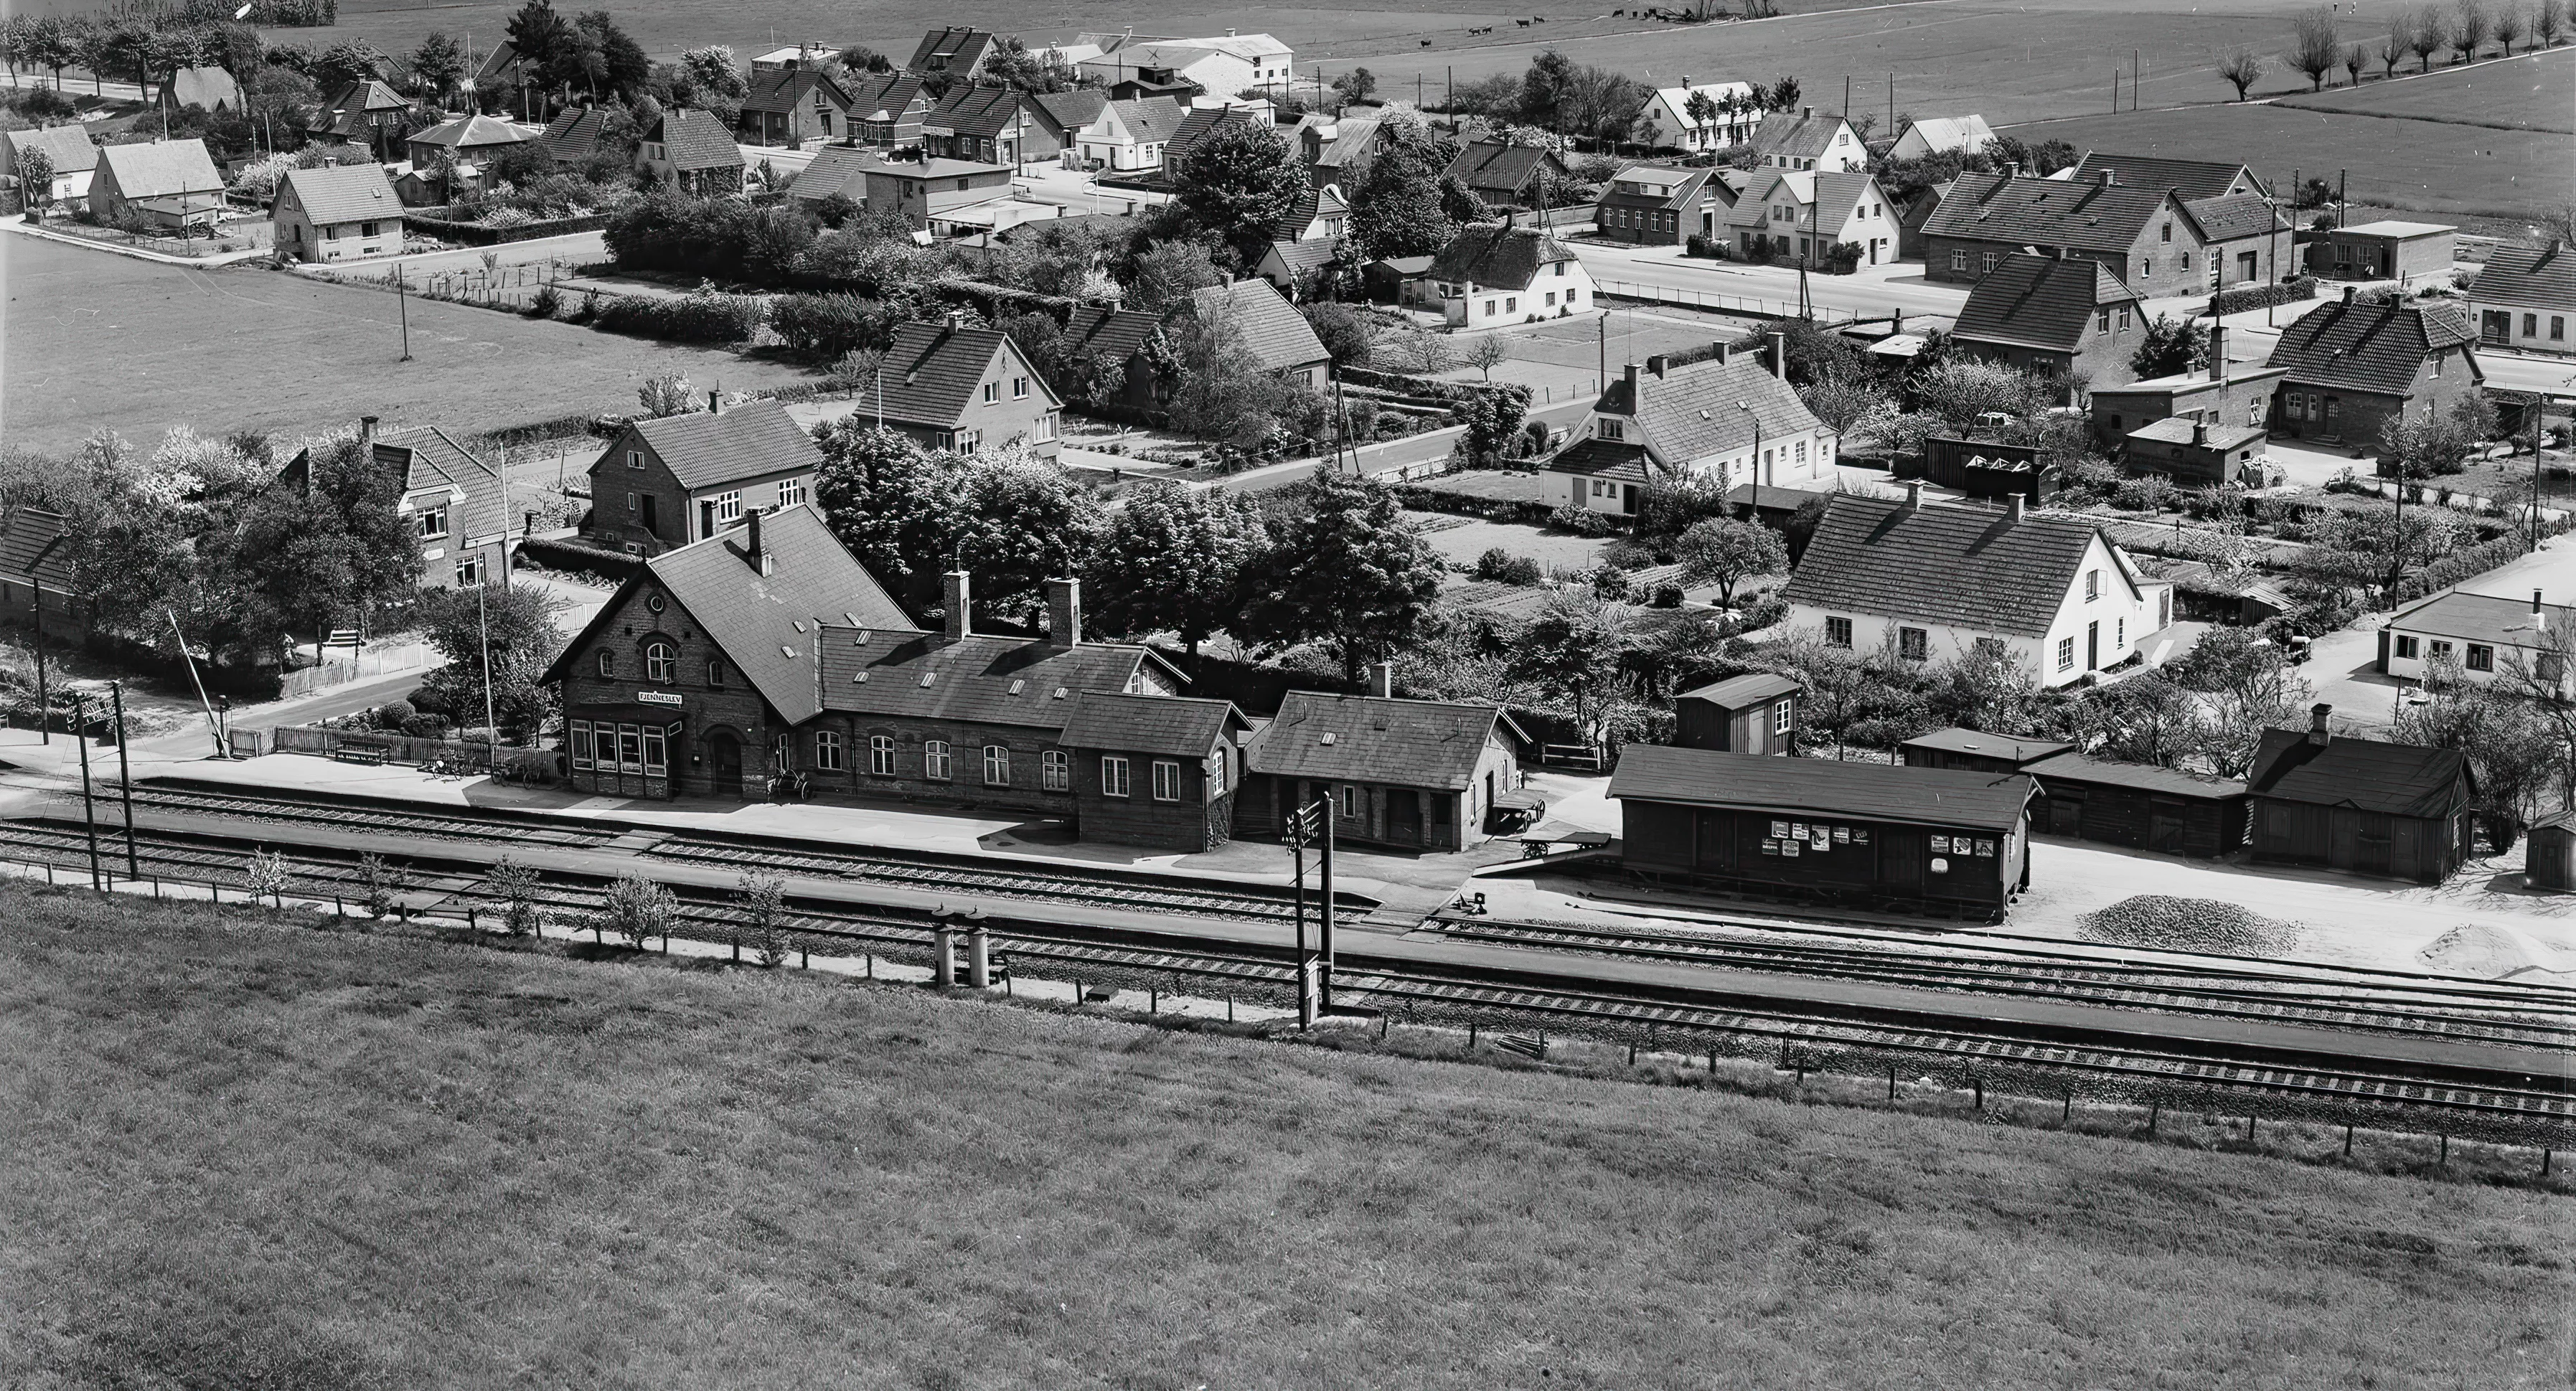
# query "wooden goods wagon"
(2140, 806)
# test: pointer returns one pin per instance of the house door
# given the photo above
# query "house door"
(2093, 646)
(652, 514)
(2164, 825)
(2246, 267)
(724, 764)
(2374, 842)
(2066, 816)
(1404, 816)
(2495, 326)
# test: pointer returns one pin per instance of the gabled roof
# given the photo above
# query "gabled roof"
(1797, 134)
(2040, 301)
(959, 48)
(841, 169)
(703, 449)
(786, 90)
(980, 113)
(932, 370)
(68, 145)
(1492, 166)
(2046, 212)
(576, 133)
(1659, 187)
(1199, 124)
(1075, 109)
(1147, 120)
(497, 63)
(161, 169)
(209, 87)
(766, 617)
(1743, 692)
(1503, 255)
(884, 96)
(1324, 202)
(1351, 137)
(2370, 347)
(366, 96)
(476, 132)
(1963, 567)
(432, 460)
(1406, 743)
(904, 673)
(344, 193)
(2364, 774)
(2084, 770)
(34, 545)
(1272, 328)
(1696, 411)
(1622, 461)
(1967, 134)
(1933, 797)
(1677, 99)
(2528, 277)
(2233, 217)
(1113, 334)
(1184, 726)
(1301, 257)
(696, 140)
(2482, 618)
(2190, 179)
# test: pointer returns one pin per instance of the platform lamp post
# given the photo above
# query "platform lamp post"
(89, 801)
(125, 780)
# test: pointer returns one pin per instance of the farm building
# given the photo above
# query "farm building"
(1936, 134)
(2411, 253)
(1754, 713)
(2393, 810)
(1158, 771)
(1975, 751)
(1503, 273)
(1412, 774)
(2549, 853)
(2140, 806)
(1924, 840)
(2196, 453)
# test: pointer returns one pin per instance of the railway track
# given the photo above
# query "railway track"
(1411, 978)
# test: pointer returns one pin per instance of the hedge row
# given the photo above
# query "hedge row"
(1492, 509)
(703, 317)
(2289, 292)
(1429, 389)
(476, 234)
(2469, 562)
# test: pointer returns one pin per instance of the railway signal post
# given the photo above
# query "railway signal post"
(125, 780)
(89, 803)
(1312, 824)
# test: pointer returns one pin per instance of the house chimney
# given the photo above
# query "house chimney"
(1064, 613)
(366, 432)
(1381, 680)
(956, 321)
(2347, 293)
(1657, 363)
(1780, 356)
(1719, 356)
(715, 403)
(2218, 353)
(1806, 113)
(752, 550)
(2318, 734)
(1914, 496)
(2199, 431)
(2110, 178)
(2013, 508)
(1632, 386)
(954, 587)
(1896, 322)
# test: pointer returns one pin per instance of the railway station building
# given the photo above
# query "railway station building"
(1405, 774)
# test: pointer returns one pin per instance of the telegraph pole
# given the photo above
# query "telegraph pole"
(402, 306)
(124, 779)
(89, 800)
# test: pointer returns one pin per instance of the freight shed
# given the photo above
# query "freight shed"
(1915, 840)
(2140, 806)
(2394, 810)
(1974, 750)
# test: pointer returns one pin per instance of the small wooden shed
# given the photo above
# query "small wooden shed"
(1976, 751)
(2395, 810)
(1754, 713)
(2140, 806)
(2549, 853)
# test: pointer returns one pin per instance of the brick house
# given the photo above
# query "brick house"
(993, 125)
(1155, 770)
(1803, 214)
(705, 658)
(36, 573)
(457, 505)
(2525, 298)
(693, 151)
(793, 105)
(337, 213)
(1930, 583)
(1655, 206)
(683, 478)
(1731, 417)
(1198, 125)
(2156, 244)
(2191, 180)
(1495, 273)
(1509, 176)
(366, 112)
(886, 109)
(954, 386)
(577, 134)
(2350, 367)
(2071, 319)
(1408, 774)
(1805, 140)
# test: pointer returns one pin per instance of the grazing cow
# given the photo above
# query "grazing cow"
(1522, 23)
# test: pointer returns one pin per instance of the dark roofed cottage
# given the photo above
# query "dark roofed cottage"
(1412, 774)
(2392, 810)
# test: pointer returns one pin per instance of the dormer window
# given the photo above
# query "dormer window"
(1612, 429)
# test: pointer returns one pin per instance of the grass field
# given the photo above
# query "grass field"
(92, 339)
(2536, 92)
(242, 1153)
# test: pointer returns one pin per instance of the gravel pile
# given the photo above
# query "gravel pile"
(2190, 924)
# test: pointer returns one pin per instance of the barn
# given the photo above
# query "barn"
(2140, 806)
(2396, 810)
(1916, 840)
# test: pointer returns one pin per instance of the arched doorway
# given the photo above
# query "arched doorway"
(724, 764)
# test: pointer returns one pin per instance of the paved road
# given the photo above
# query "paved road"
(1422, 451)
(1872, 291)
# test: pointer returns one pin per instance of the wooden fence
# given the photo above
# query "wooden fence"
(1747, 305)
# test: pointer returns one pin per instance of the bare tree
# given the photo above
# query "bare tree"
(2242, 69)
(2316, 46)
(2510, 24)
(2394, 45)
(2356, 61)
(2549, 23)
(2470, 30)
(2429, 34)
(1488, 353)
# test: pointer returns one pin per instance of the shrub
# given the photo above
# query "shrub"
(1502, 567)
(1707, 248)
(1582, 521)
(2288, 292)
(517, 886)
(546, 302)
(2145, 493)
(636, 909)
(704, 315)
(828, 327)
(588, 310)
(396, 714)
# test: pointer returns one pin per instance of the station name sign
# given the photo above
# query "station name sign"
(658, 697)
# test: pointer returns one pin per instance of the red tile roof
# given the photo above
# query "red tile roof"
(1962, 567)
(2377, 348)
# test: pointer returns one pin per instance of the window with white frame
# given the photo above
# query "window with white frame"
(1913, 644)
(969, 441)
(791, 492)
(2407, 648)
(2092, 585)
(577, 742)
(659, 663)
(997, 765)
(728, 506)
(1781, 715)
(881, 755)
(607, 662)
(1045, 428)
(2066, 654)
(1610, 429)
(1167, 780)
(992, 392)
(432, 522)
(469, 572)
(656, 751)
(827, 750)
(934, 759)
(1113, 776)
(2481, 657)
(1055, 768)
(1838, 632)
(1019, 388)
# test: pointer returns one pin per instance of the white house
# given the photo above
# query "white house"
(1503, 273)
(1803, 213)
(1804, 140)
(2476, 637)
(2525, 298)
(1223, 65)
(1932, 583)
(68, 146)
(1130, 135)
(1729, 419)
(1666, 118)
(1962, 134)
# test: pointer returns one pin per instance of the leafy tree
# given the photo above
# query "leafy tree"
(619, 64)
(1984, 686)
(2548, 22)
(36, 176)
(334, 551)
(1168, 274)
(1013, 65)
(440, 62)
(710, 72)
(1726, 552)
(350, 60)
(666, 395)
(2248, 689)
(518, 887)
(1174, 558)
(1221, 390)
(1782, 95)
(1343, 332)
(2036, 161)
(1241, 180)
(541, 36)
(2316, 46)
(2170, 348)
(1357, 85)
(518, 622)
(1848, 401)
(764, 909)
(1493, 420)
(1573, 647)
(896, 508)
(1346, 571)
(858, 57)
(1398, 210)
(1961, 390)
(636, 909)
(1025, 522)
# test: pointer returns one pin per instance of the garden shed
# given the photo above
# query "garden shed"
(2549, 853)
(2140, 805)
(1753, 713)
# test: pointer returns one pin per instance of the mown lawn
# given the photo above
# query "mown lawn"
(243, 1153)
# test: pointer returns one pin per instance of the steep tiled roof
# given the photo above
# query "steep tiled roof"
(767, 618)
(2039, 301)
(467, 133)
(981, 113)
(69, 145)
(1593, 457)
(431, 460)
(367, 95)
(789, 90)
(841, 169)
(1695, 411)
(1149, 119)
(1962, 567)
(2046, 212)
(1353, 137)
(2190, 179)
(1301, 257)
(932, 370)
(896, 672)
(1199, 124)
(1406, 743)
(696, 140)
(32, 545)
(2368, 347)
(1272, 327)
(1075, 109)
(2364, 774)
(161, 169)
(2226, 219)
(2529, 277)
(1934, 797)
(1185, 726)
(752, 440)
(883, 97)
(575, 133)
(344, 193)
(1502, 255)
(1495, 167)
(1314, 203)
(1113, 334)
(1798, 135)
(1967, 134)
(951, 48)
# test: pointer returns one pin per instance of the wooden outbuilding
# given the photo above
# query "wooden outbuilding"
(1754, 713)
(2394, 810)
(2140, 806)
(2549, 853)
(1974, 750)
(1915, 840)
